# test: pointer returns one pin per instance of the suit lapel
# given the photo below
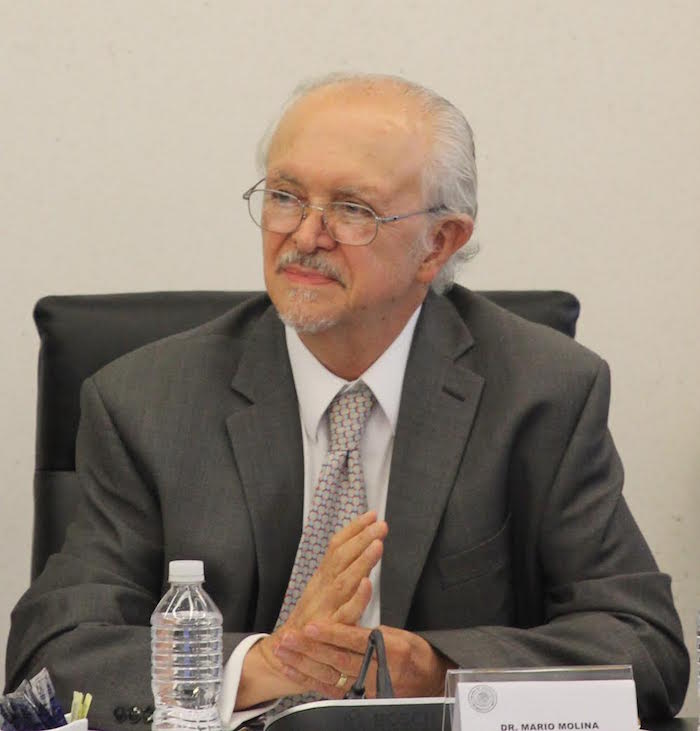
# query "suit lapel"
(265, 434)
(438, 405)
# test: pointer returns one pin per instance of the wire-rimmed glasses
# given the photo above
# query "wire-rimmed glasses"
(345, 222)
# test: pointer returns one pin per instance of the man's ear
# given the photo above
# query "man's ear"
(448, 236)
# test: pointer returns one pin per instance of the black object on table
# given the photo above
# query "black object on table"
(675, 724)
(414, 714)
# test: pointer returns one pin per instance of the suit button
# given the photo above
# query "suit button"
(119, 714)
(148, 712)
(134, 714)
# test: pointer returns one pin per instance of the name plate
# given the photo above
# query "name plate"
(547, 699)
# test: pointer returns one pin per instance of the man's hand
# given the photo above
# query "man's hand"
(338, 592)
(325, 651)
(340, 588)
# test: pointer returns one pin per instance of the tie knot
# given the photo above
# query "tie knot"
(347, 416)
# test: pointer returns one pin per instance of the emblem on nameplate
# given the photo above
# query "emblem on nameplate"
(482, 698)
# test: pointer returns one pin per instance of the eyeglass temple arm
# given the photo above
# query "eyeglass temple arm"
(391, 219)
(246, 195)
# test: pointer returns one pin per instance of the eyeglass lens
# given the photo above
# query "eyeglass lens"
(279, 212)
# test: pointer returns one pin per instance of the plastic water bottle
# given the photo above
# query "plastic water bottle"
(186, 653)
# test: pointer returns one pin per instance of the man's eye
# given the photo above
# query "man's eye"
(280, 198)
(353, 211)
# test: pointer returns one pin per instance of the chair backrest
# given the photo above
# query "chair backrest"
(81, 333)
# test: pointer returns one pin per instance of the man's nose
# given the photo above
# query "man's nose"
(312, 233)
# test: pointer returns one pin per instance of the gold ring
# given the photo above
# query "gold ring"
(341, 680)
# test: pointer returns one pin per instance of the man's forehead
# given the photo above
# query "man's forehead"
(384, 107)
(345, 128)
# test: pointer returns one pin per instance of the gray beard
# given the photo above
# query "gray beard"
(296, 316)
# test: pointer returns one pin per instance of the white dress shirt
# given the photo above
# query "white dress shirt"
(316, 387)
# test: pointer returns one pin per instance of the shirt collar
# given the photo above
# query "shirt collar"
(316, 386)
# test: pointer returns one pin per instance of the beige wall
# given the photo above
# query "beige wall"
(127, 133)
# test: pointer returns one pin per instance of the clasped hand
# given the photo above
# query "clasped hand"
(320, 647)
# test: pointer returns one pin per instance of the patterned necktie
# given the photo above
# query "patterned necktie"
(340, 494)
(339, 497)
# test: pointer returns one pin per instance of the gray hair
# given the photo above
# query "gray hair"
(449, 178)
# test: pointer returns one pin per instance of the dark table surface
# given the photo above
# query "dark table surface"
(677, 724)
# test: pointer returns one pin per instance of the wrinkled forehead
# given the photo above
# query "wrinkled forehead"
(353, 132)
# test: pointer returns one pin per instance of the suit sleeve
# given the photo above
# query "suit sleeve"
(87, 617)
(604, 599)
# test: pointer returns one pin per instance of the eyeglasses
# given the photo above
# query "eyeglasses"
(347, 223)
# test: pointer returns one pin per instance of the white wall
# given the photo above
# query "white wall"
(127, 133)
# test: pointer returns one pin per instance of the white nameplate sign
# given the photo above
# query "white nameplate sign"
(546, 705)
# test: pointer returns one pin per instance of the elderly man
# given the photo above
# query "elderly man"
(459, 455)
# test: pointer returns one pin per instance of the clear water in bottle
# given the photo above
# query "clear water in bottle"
(186, 653)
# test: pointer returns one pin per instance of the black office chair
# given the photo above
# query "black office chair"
(81, 333)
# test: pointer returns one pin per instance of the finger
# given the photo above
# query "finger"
(353, 609)
(364, 563)
(339, 658)
(338, 635)
(332, 691)
(347, 582)
(303, 664)
(309, 682)
(342, 552)
(326, 591)
(355, 526)
(295, 676)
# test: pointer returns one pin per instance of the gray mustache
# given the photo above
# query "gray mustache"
(309, 261)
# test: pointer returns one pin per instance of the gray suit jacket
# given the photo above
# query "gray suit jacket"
(510, 543)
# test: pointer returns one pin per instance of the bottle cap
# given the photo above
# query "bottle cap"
(186, 572)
